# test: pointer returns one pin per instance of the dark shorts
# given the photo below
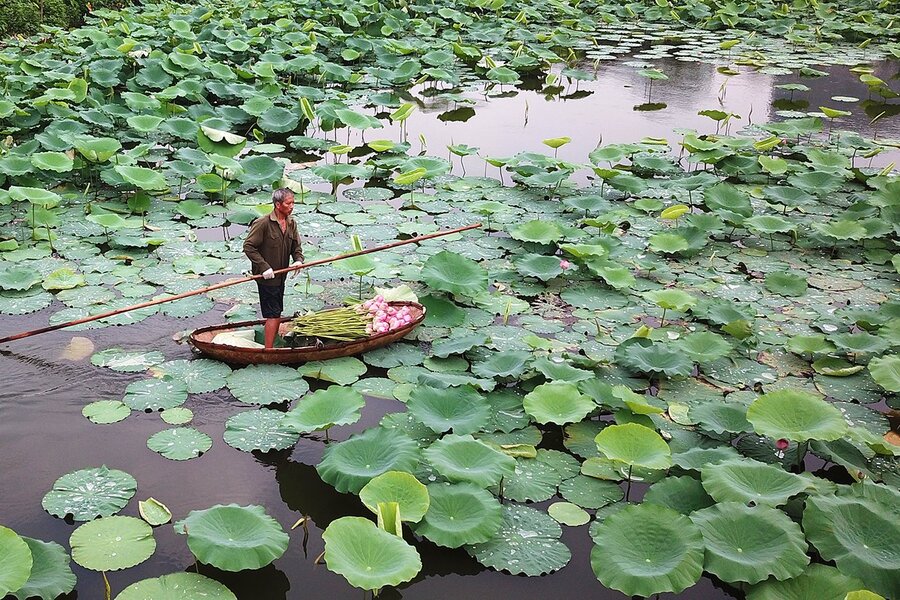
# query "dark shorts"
(271, 300)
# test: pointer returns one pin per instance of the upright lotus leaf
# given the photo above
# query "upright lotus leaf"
(461, 409)
(450, 272)
(17, 561)
(36, 196)
(861, 536)
(143, 178)
(335, 405)
(750, 544)
(510, 363)
(634, 445)
(796, 415)
(366, 556)
(266, 384)
(886, 372)
(155, 394)
(746, 480)
(232, 537)
(683, 494)
(58, 162)
(542, 267)
(351, 464)
(112, 543)
(261, 429)
(97, 150)
(51, 575)
(721, 417)
(557, 402)
(588, 492)
(539, 231)
(177, 586)
(463, 458)
(459, 514)
(408, 492)
(90, 493)
(647, 549)
(526, 543)
(180, 443)
(643, 356)
(705, 346)
(817, 581)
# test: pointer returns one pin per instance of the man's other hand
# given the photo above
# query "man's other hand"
(296, 264)
(268, 274)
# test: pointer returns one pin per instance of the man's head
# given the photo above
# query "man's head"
(283, 199)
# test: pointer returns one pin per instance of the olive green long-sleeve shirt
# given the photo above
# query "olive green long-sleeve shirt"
(268, 247)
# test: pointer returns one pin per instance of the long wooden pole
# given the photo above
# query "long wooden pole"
(217, 286)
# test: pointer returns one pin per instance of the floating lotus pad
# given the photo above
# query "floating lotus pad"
(127, 361)
(180, 443)
(51, 575)
(463, 458)
(155, 394)
(260, 429)
(112, 543)
(366, 556)
(796, 415)
(682, 494)
(90, 493)
(232, 537)
(526, 543)
(566, 513)
(459, 514)
(350, 465)
(266, 384)
(588, 492)
(461, 409)
(177, 586)
(396, 486)
(342, 371)
(200, 375)
(323, 409)
(647, 549)
(749, 545)
(557, 402)
(17, 561)
(104, 412)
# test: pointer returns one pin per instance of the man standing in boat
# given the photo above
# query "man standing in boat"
(272, 243)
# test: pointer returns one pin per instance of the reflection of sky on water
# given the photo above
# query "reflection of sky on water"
(605, 110)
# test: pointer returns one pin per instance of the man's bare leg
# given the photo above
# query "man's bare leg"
(270, 331)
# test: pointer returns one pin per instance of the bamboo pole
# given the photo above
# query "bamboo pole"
(217, 286)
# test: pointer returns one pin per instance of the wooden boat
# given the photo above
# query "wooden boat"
(202, 338)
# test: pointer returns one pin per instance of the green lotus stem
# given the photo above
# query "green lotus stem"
(628, 489)
(107, 590)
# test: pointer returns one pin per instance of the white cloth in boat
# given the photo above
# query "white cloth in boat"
(242, 338)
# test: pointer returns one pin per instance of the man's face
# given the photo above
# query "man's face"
(285, 208)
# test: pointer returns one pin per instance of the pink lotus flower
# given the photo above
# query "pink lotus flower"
(564, 264)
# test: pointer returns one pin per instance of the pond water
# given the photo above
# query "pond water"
(43, 435)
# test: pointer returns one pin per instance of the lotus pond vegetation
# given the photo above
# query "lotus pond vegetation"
(665, 366)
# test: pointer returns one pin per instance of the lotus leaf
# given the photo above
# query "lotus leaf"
(266, 384)
(368, 557)
(104, 412)
(750, 544)
(817, 581)
(323, 409)
(177, 416)
(634, 445)
(17, 561)
(180, 443)
(588, 492)
(155, 394)
(90, 493)
(886, 372)
(861, 536)
(232, 537)
(860, 343)
(51, 575)
(721, 417)
(177, 586)
(459, 514)
(567, 513)
(458, 344)
(396, 486)
(557, 402)
(261, 429)
(350, 465)
(502, 364)
(786, 284)
(461, 409)
(644, 356)
(527, 543)
(126, 361)
(463, 458)
(682, 494)
(112, 543)
(745, 480)
(695, 459)
(647, 549)
(705, 346)
(18, 277)
(342, 371)
(154, 512)
(453, 273)
(531, 480)
(795, 415)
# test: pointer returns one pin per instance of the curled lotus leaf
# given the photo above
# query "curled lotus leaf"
(177, 586)
(526, 543)
(459, 514)
(366, 556)
(351, 464)
(644, 356)
(396, 486)
(647, 549)
(860, 535)
(232, 537)
(90, 493)
(335, 405)
(17, 561)
(796, 415)
(886, 372)
(450, 272)
(817, 581)
(557, 402)
(750, 544)
(634, 445)
(51, 575)
(461, 409)
(683, 494)
(463, 458)
(746, 480)
(112, 543)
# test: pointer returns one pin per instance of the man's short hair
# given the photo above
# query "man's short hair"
(281, 194)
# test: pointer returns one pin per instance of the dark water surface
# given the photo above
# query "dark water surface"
(43, 434)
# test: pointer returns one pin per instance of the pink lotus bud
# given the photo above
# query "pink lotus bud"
(564, 264)
(782, 444)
